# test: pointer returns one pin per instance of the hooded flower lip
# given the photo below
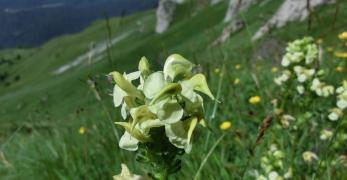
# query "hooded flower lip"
(124, 87)
(154, 84)
(125, 84)
(177, 66)
(169, 99)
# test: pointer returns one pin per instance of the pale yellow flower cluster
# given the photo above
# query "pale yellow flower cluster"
(169, 99)
(300, 69)
(272, 166)
(341, 104)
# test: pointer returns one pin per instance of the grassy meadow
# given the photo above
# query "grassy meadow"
(61, 126)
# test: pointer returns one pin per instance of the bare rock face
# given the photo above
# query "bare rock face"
(234, 25)
(290, 10)
(235, 7)
(213, 2)
(165, 12)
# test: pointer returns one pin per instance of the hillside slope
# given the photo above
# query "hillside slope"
(42, 111)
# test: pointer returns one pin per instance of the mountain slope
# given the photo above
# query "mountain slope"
(41, 112)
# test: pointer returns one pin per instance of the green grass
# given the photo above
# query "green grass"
(41, 114)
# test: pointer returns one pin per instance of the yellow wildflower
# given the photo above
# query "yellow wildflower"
(82, 130)
(319, 41)
(341, 55)
(343, 35)
(254, 100)
(238, 66)
(274, 69)
(339, 69)
(237, 81)
(225, 125)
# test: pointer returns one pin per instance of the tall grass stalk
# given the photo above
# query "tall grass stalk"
(216, 102)
(208, 155)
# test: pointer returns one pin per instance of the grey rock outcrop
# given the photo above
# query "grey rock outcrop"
(235, 7)
(213, 2)
(290, 10)
(165, 13)
(234, 25)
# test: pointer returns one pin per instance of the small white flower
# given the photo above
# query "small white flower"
(309, 156)
(328, 90)
(283, 78)
(285, 62)
(279, 154)
(341, 103)
(273, 175)
(300, 89)
(325, 134)
(261, 177)
(288, 174)
(335, 114)
(303, 74)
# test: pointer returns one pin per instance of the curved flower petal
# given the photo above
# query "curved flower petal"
(118, 95)
(180, 133)
(192, 124)
(141, 114)
(171, 112)
(135, 132)
(128, 142)
(127, 175)
(167, 91)
(198, 83)
(132, 76)
(177, 134)
(151, 124)
(176, 65)
(153, 84)
(124, 111)
(126, 86)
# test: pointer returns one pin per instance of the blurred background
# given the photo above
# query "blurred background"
(56, 112)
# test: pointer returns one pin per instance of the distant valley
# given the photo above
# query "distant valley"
(28, 23)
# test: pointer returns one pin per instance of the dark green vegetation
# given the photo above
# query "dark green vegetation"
(41, 113)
